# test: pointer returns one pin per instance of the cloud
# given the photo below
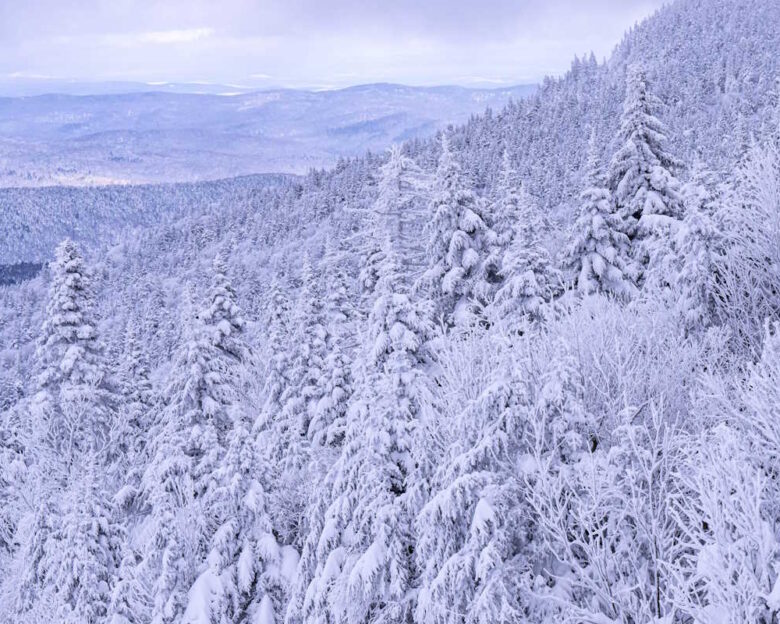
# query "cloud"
(176, 36)
(309, 42)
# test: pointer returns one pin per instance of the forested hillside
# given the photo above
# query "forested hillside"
(525, 371)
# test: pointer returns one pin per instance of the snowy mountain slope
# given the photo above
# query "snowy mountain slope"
(36, 219)
(170, 137)
(323, 430)
(21, 86)
(713, 65)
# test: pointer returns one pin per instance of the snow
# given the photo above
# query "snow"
(472, 378)
(204, 592)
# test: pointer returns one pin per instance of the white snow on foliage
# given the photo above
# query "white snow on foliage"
(526, 370)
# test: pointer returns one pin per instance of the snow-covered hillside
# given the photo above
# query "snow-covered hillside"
(525, 371)
(180, 137)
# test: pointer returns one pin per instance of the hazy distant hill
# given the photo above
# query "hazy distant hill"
(156, 136)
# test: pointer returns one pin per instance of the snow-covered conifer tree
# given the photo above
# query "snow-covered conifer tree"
(596, 256)
(185, 450)
(458, 240)
(364, 568)
(247, 572)
(530, 280)
(503, 216)
(75, 402)
(473, 544)
(641, 175)
(126, 606)
(397, 210)
(334, 389)
(308, 352)
(85, 550)
(277, 355)
(223, 316)
(698, 246)
(134, 417)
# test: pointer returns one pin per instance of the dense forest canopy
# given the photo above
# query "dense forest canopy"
(525, 370)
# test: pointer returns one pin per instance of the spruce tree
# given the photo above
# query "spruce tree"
(88, 547)
(641, 175)
(458, 240)
(185, 451)
(695, 283)
(223, 316)
(504, 212)
(529, 279)
(127, 597)
(397, 210)
(334, 389)
(307, 351)
(73, 415)
(246, 568)
(361, 567)
(135, 417)
(596, 255)
(75, 402)
(277, 356)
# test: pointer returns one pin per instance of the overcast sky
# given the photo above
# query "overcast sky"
(308, 43)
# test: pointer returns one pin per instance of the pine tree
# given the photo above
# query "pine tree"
(641, 174)
(457, 240)
(596, 255)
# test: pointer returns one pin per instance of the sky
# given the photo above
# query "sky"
(312, 44)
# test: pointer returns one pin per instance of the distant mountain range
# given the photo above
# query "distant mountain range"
(153, 136)
(25, 87)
